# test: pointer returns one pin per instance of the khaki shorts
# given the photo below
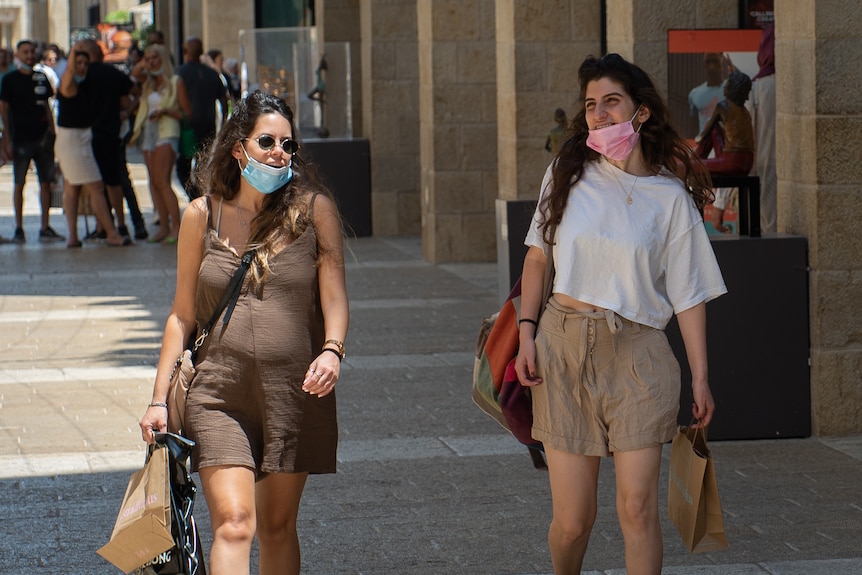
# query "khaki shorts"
(609, 384)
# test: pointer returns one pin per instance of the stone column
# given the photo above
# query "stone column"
(221, 23)
(193, 26)
(59, 23)
(458, 129)
(390, 113)
(540, 44)
(819, 182)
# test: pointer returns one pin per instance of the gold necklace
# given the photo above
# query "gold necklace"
(629, 193)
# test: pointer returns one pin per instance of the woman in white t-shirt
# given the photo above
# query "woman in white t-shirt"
(620, 206)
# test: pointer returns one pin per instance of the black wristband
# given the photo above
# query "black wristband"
(335, 351)
(532, 321)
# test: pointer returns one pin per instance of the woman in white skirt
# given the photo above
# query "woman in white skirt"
(74, 151)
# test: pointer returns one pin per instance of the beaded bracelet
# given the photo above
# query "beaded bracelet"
(159, 404)
(335, 351)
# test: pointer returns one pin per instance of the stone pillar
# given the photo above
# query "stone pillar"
(458, 129)
(221, 23)
(59, 23)
(819, 183)
(339, 21)
(390, 113)
(193, 26)
(540, 44)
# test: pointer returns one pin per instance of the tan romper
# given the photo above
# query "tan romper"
(246, 405)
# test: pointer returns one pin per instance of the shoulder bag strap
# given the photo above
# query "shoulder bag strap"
(228, 300)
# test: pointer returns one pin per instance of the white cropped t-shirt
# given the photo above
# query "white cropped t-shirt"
(646, 260)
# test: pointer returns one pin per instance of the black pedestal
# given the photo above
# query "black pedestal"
(749, 201)
(513, 222)
(346, 167)
(757, 340)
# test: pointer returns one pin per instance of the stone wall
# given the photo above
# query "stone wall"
(819, 184)
(221, 23)
(390, 112)
(540, 45)
(458, 127)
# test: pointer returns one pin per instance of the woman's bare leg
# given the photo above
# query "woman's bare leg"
(574, 485)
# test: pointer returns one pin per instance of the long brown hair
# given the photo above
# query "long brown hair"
(285, 213)
(661, 145)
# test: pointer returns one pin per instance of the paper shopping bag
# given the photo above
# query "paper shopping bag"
(693, 503)
(143, 527)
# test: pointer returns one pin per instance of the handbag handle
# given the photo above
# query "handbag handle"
(692, 434)
(228, 300)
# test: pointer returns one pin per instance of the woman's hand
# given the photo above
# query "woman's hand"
(154, 420)
(703, 407)
(322, 374)
(525, 363)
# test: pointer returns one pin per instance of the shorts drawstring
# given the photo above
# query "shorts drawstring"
(588, 335)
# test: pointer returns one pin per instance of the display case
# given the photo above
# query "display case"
(313, 77)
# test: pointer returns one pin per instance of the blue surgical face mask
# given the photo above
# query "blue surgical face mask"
(24, 67)
(265, 178)
(154, 73)
(79, 79)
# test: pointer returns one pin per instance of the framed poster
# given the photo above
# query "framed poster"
(756, 13)
(698, 63)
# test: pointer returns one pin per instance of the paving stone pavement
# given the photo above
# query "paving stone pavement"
(427, 484)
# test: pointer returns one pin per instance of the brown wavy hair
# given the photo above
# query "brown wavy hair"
(661, 145)
(285, 213)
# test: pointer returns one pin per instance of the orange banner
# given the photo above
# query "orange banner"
(693, 41)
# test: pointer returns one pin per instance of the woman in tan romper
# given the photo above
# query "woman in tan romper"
(262, 405)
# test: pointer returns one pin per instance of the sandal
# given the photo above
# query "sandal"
(127, 241)
(74, 245)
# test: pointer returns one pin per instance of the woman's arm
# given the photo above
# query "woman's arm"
(68, 87)
(333, 296)
(139, 72)
(692, 326)
(181, 322)
(183, 101)
(532, 286)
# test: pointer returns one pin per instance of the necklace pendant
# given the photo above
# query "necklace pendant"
(629, 200)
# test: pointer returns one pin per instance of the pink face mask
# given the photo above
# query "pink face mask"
(615, 142)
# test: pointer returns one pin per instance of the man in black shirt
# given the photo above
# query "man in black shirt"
(200, 89)
(110, 89)
(26, 113)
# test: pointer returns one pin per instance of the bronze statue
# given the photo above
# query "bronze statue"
(559, 133)
(729, 132)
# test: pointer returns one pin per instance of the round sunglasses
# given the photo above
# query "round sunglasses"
(267, 142)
